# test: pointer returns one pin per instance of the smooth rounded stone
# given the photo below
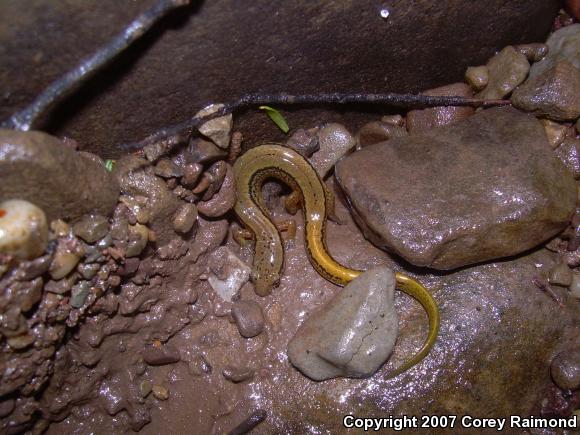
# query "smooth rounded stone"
(353, 334)
(426, 119)
(394, 119)
(480, 189)
(145, 387)
(560, 275)
(555, 93)
(555, 132)
(569, 154)
(249, 318)
(238, 374)
(563, 44)
(91, 228)
(23, 228)
(507, 69)
(217, 129)
(79, 294)
(335, 141)
(6, 407)
(137, 179)
(534, 52)
(63, 263)
(565, 369)
(138, 239)
(21, 341)
(88, 270)
(160, 355)
(304, 142)
(225, 198)
(228, 273)
(202, 151)
(39, 168)
(185, 217)
(166, 168)
(477, 77)
(60, 228)
(160, 392)
(191, 173)
(378, 131)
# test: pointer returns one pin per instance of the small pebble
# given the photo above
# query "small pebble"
(160, 392)
(237, 374)
(394, 120)
(534, 52)
(555, 132)
(6, 407)
(184, 218)
(202, 151)
(191, 173)
(565, 369)
(63, 263)
(575, 285)
(248, 317)
(145, 388)
(477, 77)
(21, 341)
(60, 228)
(507, 69)
(217, 129)
(91, 228)
(166, 168)
(30, 270)
(160, 355)
(23, 229)
(304, 142)
(569, 153)
(129, 267)
(79, 294)
(199, 366)
(335, 142)
(378, 131)
(138, 238)
(560, 275)
(88, 270)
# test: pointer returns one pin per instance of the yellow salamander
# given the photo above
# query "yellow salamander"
(264, 162)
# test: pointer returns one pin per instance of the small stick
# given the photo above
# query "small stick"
(65, 85)
(543, 285)
(249, 423)
(252, 100)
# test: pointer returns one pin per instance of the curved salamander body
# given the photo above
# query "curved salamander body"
(264, 162)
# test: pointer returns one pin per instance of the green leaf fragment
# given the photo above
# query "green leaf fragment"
(109, 164)
(276, 117)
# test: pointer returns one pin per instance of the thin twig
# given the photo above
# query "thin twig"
(253, 100)
(543, 285)
(65, 85)
(249, 423)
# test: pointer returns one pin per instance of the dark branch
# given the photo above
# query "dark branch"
(179, 132)
(249, 423)
(25, 119)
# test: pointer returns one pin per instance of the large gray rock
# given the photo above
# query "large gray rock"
(480, 189)
(353, 334)
(65, 184)
(563, 44)
(555, 93)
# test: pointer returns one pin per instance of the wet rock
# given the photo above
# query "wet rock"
(63, 262)
(248, 317)
(229, 273)
(426, 119)
(212, 180)
(199, 366)
(561, 275)
(160, 355)
(23, 228)
(225, 198)
(353, 334)
(166, 168)
(210, 235)
(91, 228)
(201, 151)
(304, 142)
(191, 173)
(575, 285)
(6, 407)
(378, 131)
(477, 77)
(160, 392)
(138, 180)
(335, 141)
(138, 239)
(29, 270)
(569, 154)
(487, 201)
(238, 374)
(217, 129)
(21, 341)
(39, 168)
(507, 69)
(555, 132)
(554, 93)
(534, 52)
(185, 217)
(563, 44)
(88, 270)
(79, 294)
(565, 369)
(61, 286)
(145, 388)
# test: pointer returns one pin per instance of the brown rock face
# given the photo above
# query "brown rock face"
(483, 188)
(422, 120)
(219, 50)
(555, 93)
(39, 168)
